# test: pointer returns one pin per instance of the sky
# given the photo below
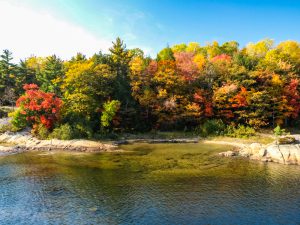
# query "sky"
(65, 27)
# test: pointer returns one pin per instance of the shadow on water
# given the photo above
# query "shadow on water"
(147, 184)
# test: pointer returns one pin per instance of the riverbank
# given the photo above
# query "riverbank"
(261, 148)
(283, 153)
(23, 141)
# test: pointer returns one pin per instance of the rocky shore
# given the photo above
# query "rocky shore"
(24, 141)
(284, 153)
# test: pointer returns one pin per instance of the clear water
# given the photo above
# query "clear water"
(149, 184)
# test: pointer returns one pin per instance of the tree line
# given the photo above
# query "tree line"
(182, 88)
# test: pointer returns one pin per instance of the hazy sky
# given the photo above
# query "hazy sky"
(66, 27)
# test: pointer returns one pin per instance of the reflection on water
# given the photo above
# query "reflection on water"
(150, 184)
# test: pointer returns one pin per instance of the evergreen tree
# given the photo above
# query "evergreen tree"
(51, 75)
(6, 70)
(121, 58)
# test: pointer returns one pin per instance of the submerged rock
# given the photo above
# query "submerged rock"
(228, 153)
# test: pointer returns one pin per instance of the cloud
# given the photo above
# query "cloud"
(26, 32)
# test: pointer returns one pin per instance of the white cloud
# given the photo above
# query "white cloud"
(26, 32)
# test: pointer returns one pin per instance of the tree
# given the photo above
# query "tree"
(37, 107)
(179, 48)
(7, 70)
(51, 76)
(86, 86)
(165, 54)
(121, 58)
(110, 108)
(260, 48)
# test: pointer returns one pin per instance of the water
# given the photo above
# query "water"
(149, 184)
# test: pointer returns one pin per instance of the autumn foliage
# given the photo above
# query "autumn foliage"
(39, 107)
(182, 88)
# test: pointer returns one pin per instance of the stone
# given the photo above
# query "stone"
(228, 153)
(286, 140)
(262, 152)
(26, 141)
(274, 153)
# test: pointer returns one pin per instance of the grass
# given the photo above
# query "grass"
(259, 138)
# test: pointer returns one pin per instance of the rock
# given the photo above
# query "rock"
(26, 141)
(285, 153)
(228, 154)
(286, 140)
(274, 153)
(262, 152)
(245, 152)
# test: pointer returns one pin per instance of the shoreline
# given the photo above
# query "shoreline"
(23, 141)
(19, 142)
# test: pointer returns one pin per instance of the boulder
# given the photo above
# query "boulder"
(274, 153)
(286, 140)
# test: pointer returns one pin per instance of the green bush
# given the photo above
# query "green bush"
(41, 132)
(63, 132)
(211, 128)
(7, 127)
(278, 131)
(240, 131)
(18, 120)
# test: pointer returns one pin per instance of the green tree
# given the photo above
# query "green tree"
(7, 70)
(51, 75)
(110, 109)
(165, 54)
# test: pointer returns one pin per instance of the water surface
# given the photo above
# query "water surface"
(148, 184)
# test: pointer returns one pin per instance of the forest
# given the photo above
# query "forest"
(185, 87)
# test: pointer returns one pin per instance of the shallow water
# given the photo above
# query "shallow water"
(148, 184)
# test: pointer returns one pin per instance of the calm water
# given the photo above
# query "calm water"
(149, 184)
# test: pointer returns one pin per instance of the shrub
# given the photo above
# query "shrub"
(278, 131)
(240, 131)
(40, 131)
(8, 127)
(63, 132)
(211, 127)
(18, 120)
(37, 107)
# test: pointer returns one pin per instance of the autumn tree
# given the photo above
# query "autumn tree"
(36, 107)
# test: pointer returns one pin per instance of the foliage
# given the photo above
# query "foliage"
(278, 131)
(211, 128)
(36, 107)
(109, 113)
(18, 119)
(62, 132)
(187, 84)
(40, 131)
(241, 131)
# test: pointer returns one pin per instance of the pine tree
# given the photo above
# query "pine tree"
(6, 70)
(52, 74)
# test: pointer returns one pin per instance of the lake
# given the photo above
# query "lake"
(147, 184)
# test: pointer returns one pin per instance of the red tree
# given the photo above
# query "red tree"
(39, 107)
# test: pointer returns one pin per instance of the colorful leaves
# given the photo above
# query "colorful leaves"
(39, 107)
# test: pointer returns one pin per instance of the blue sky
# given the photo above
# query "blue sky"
(150, 25)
